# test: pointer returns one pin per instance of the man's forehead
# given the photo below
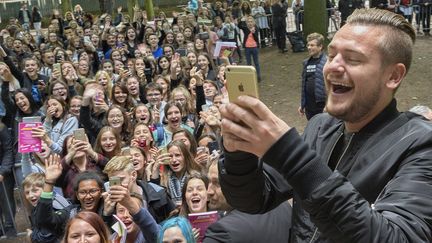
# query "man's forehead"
(355, 35)
(119, 173)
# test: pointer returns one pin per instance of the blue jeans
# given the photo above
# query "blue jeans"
(254, 52)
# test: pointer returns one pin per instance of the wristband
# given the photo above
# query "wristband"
(50, 183)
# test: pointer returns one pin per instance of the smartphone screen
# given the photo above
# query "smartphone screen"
(213, 146)
(182, 52)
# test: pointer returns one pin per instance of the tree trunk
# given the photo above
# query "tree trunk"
(130, 7)
(66, 5)
(315, 17)
(148, 5)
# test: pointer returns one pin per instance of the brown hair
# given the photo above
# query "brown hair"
(62, 102)
(95, 221)
(188, 160)
(191, 138)
(150, 131)
(126, 127)
(184, 209)
(316, 36)
(98, 146)
(34, 179)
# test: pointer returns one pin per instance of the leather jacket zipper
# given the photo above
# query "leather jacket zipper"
(333, 147)
(337, 164)
(343, 153)
(313, 236)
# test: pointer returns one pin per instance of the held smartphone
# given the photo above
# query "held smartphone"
(213, 146)
(182, 52)
(80, 134)
(205, 108)
(87, 39)
(114, 181)
(165, 151)
(201, 150)
(32, 119)
(241, 80)
(57, 66)
(203, 36)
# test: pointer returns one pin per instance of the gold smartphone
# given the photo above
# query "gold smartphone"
(164, 150)
(241, 80)
(57, 66)
(114, 181)
(79, 134)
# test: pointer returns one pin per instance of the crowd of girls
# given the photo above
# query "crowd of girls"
(145, 89)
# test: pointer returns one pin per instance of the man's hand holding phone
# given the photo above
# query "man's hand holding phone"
(249, 125)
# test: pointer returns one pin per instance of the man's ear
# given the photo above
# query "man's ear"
(134, 175)
(398, 72)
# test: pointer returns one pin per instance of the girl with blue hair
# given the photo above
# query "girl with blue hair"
(177, 229)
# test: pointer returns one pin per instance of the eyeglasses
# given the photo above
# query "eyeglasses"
(92, 192)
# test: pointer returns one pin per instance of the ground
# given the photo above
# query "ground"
(280, 88)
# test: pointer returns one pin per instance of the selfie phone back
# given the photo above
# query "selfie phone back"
(241, 80)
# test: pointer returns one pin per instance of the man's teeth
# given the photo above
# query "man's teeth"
(342, 84)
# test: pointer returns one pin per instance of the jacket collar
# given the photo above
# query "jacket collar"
(382, 119)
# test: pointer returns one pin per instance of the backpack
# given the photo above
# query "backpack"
(296, 40)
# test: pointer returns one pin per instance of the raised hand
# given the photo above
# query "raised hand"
(5, 73)
(109, 205)
(121, 194)
(100, 104)
(50, 112)
(53, 168)
(39, 132)
(156, 115)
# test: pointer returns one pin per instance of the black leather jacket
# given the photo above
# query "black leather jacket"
(380, 191)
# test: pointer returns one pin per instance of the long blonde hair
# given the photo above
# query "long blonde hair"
(108, 88)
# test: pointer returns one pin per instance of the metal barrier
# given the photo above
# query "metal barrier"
(18, 199)
(422, 16)
(295, 21)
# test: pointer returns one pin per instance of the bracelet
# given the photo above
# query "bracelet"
(50, 183)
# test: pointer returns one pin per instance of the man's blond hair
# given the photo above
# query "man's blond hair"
(34, 179)
(398, 34)
(118, 163)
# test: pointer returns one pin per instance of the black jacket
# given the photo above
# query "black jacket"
(240, 227)
(91, 122)
(36, 17)
(26, 82)
(21, 15)
(246, 32)
(159, 203)
(320, 92)
(7, 158)
(380, 191)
